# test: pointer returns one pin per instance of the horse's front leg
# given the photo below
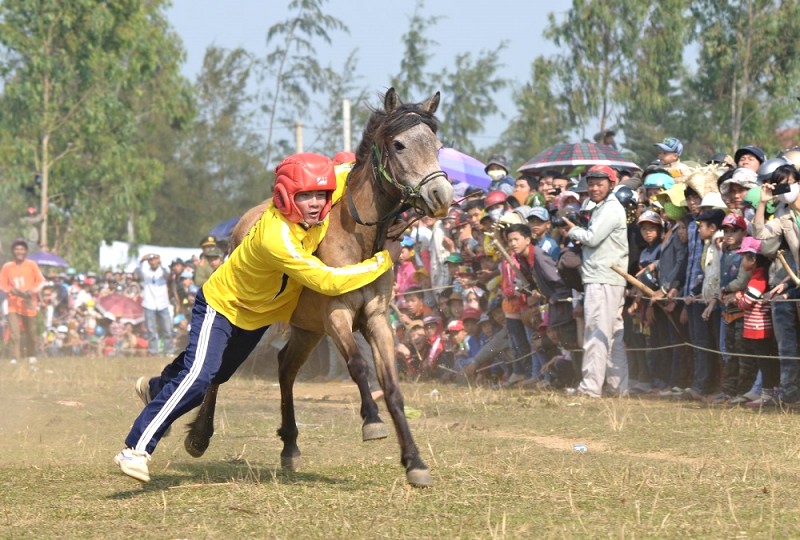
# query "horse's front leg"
(380, 338)
(340, 324)
(201, 429)
(290, 359)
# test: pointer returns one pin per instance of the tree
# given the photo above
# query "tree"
(292, 66)
(341, 84)
(749, 71)
(652, 96)
(597, 38)
(469, 91)
(219, 167)
(413, 78)
(541, 121)
(74, 78)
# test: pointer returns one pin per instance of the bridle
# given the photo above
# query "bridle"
(410, 196)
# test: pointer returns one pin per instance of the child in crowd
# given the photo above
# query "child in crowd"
(739, 372)
(643, 312)
(706, 225)
(757, 336)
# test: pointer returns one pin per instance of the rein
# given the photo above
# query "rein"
(409, 196)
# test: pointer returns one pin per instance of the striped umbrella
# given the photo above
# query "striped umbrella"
(562, 156)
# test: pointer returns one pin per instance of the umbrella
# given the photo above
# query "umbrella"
(43, 258)
(576, 155)
(222, 231)
(119, 306)
(463, 168)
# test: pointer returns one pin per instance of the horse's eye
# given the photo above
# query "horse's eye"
(398, 145)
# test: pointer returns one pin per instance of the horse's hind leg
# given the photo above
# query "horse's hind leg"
(201, 428)
(373, 427)
(290, 359)
(380, 338)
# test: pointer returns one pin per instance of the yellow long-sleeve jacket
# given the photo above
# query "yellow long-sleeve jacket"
(261, 281)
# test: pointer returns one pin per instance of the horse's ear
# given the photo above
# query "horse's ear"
(391, 101)
(431, 104)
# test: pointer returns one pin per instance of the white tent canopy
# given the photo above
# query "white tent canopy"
(118, 257)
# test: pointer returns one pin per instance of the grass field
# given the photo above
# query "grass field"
(503, 464)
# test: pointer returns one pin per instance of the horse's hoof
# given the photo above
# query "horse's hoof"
(194, 448)
(290, 463)
(419, 477)
(374, 431)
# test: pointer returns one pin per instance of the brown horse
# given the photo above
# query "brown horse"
(396, 169)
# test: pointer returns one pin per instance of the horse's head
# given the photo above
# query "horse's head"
(404, 151)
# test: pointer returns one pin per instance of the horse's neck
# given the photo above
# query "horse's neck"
(347, 242)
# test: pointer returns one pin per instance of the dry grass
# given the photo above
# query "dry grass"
(503, 464)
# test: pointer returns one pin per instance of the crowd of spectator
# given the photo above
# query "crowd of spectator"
(673, 281)
(113, 313)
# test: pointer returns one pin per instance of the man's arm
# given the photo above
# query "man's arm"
(600, 228)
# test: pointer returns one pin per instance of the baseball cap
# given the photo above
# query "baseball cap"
(648, 216)
(750, 245)
(671, 144)
(455, 326)
(539, 212)
(471, 313)
(750, 149)
(714, 215)
(431, 319)
(215, 252)
(733, 220)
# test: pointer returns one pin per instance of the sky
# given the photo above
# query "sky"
(376, 29)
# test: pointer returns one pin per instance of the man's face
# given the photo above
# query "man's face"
(471, 326)
(560, 183)
(473, 218)
(598, 189)
(214, 262)
(310, 204)
(748, 161)
(667, 158)
(20, 252)
(732, 237)
(154, 262)
(413, 304)
(650, 232)
(431, 329)
(737, 194)
(705, 230)
(693, 204)
(546, 186)
(538, 227)
(522, 190)
(518, 242)
(417, 336)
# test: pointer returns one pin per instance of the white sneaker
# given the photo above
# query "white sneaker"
(13, 362)
(134, 464)
(142, 387)
(31, 359)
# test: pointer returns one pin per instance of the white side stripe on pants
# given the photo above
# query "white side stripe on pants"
(186, 383)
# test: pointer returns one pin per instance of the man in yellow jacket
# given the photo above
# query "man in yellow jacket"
(259, 284)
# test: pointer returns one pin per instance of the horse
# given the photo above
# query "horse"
(396, 170)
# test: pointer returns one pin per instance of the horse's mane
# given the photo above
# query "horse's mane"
(382, 125)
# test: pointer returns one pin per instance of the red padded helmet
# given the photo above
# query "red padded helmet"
(493, 198)
(298, 173)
